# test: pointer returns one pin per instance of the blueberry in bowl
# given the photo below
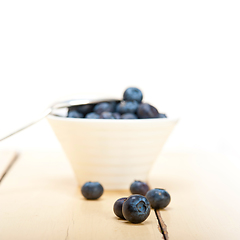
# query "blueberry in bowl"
(72, 113)
(162, 115)
(107, 115)
(127, 107)
(92, 115)
(129, 116)
(104, 107)
(132, 94)
(146, 110)
(83, 109)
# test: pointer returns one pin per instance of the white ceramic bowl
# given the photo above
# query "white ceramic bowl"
(113, 152)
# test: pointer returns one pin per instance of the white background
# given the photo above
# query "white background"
(184, 56)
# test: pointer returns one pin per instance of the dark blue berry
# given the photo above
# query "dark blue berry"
(92, 190)
(129, 116)
(139, 187)
(146, 110)
(104, 107)
(74, 114)
(162, 115)
(106, 115)
(92, 115)
(127, 107)
(84, 109)
(133, 93)
(158, 198)
(117, 207)
(116, 115)
(136, 209)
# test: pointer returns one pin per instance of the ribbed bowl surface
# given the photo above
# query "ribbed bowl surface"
(113, 152)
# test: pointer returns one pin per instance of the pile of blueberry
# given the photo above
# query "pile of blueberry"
(131, 107)
(135, 208)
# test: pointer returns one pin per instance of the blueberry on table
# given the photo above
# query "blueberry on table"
(146, 110)
(139, 187)
(117, 207)
(104, 107)
(129, 116)
(133, 93)
(92, 190)
(92, 115)
(74, 114)
(106, 115)
(127, 107)
(162, 115)
(158, 198)
(136, 208)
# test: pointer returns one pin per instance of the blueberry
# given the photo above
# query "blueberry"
(127, 107)
(129, 116)
(158, 198)
(116, 115)
(136, 209)
(133, 93)
(92, 115)
(92, 190)
(117, 207)
(84, 109)
(74, 114)
(146, 110)
(106, 115)
(162, 115)
(104, 107)
(139, 187)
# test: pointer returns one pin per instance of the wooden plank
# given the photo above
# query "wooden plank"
(7, 159)
(205, 194)
(40, 199)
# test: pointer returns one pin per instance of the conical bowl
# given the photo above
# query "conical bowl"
(110, 151)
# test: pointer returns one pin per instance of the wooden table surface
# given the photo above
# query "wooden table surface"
(40, 199)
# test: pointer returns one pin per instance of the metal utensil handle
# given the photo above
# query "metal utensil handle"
(57, 105)
(43, 115)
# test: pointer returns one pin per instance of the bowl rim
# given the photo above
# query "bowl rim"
(62, 118)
